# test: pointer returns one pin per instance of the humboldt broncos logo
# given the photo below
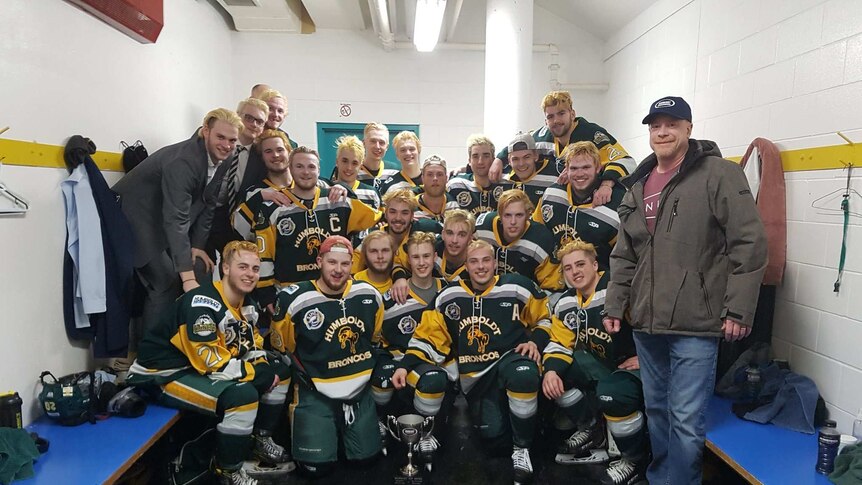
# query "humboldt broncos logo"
(477, 336)
(346, 336)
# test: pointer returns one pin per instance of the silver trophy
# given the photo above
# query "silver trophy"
(409, 429)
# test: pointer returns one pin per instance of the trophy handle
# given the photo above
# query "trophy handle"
(427, 426)
(390, 422)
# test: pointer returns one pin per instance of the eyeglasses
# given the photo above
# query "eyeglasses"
(251, 119)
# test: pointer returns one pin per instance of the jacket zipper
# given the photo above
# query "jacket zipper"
(665, 194)
(705, 294)
(672, 215)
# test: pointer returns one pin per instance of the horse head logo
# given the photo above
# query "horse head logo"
(475, 334)
(347, 336)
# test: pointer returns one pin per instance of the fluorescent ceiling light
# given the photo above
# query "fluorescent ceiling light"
(426, 25)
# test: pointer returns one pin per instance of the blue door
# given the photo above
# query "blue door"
(328, 133)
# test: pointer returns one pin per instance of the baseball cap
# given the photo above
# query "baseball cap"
(669, 105)
(434, 160)
(524, 141)
(339, 244)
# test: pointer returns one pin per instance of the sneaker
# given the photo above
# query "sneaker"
(384, 436)
(268, 451)
(522, 467)
(582, 441)
(234, 477)
(426, 448)
(623, 472)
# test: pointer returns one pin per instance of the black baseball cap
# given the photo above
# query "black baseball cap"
(669, 105)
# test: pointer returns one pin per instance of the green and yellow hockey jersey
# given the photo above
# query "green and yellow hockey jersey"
(479, 328)
(446, 269)
(577, 325)
(425, 212)
(288, 240)
(530, 255)
(399, 181)
(400, 260)
(204, 332)
(545, 175)
(473, 198)
(400, 320)
(568, 218)
(375, 178)
(366, 194)
(331, 338)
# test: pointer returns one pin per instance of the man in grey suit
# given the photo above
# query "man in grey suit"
(169, 199)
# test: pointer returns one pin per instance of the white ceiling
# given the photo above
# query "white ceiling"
(602, 18)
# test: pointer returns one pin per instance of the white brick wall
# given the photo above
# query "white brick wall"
(790, 71)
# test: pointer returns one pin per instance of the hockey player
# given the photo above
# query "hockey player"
(594, 376)
(378, 250)
(531, 172)
(207, 356)
(497, 327)
(432, 199)
(329, 327)
(290, 237)
(407, 149)
(474, 192)
(567, 210)
(562, 127)
(277, 111)
(349, 156)
(373, 171)
(399, 322)
(458, 230)
(522, 247)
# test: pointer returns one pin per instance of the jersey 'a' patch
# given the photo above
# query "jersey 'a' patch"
(204, 326)
(205, 301)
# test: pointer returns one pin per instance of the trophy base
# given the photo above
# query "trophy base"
(418, 479)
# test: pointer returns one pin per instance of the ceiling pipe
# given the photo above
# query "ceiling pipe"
(472, 47)
(380, 22)
(456, 13)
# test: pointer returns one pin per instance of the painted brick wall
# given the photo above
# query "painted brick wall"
(788, 71)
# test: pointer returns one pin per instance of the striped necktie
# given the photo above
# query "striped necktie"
(232, 185)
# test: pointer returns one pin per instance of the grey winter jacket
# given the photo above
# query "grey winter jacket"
(706, 259)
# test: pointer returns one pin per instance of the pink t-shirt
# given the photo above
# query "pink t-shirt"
(652, 195)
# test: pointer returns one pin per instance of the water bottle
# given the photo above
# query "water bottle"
(827, 447)
(752, 383)
(10, 410)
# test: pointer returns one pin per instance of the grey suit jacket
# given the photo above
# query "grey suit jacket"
(168, 202)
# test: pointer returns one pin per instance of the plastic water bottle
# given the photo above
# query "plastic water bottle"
(857, 426)
(827, 447)
(10, 410)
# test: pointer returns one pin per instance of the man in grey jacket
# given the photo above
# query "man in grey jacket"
(687, 267)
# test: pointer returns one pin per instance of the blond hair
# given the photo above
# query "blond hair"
(577, 245)
(232, 248)
(479, 139)
(254, 103)
(405, 196)
(512, 196)
(269, 94)
(373, 236)
(375, 126)
(481, 244)
(459, 216)
(406, 136)
(303, 149)
(266, 135)
(221, 114)
(557, 97)
(421, 237)
(351, 143)
(581, 148)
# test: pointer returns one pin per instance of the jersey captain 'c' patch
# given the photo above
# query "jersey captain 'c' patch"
(204, 326)
(286, 227)
(205, 301)
(464, 199)
(313, 319)
(407, 325)
(453, 311)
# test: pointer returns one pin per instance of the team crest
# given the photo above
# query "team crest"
(464, 199)
(498, 191)
(547, 212)
(313, 319)
(286, 227)
(346, 336)
(204, 326)
(453, 311)
(407, 325)
(600, 137)
(571, 320)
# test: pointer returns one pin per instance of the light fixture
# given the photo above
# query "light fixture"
(426, 25)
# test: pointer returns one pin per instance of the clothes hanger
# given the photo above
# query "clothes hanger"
(831, 203)
(19, 203)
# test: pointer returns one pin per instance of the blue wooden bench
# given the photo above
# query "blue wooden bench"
(97, 453)
(761, 453)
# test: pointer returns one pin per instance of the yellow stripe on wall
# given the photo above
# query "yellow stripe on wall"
(32, 154)
(819, 158)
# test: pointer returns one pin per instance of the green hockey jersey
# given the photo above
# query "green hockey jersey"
(545, 175)
(399, 181)
(331, 339)
(400, 320)
(446, 269)
(473, 198)
(479, 328)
